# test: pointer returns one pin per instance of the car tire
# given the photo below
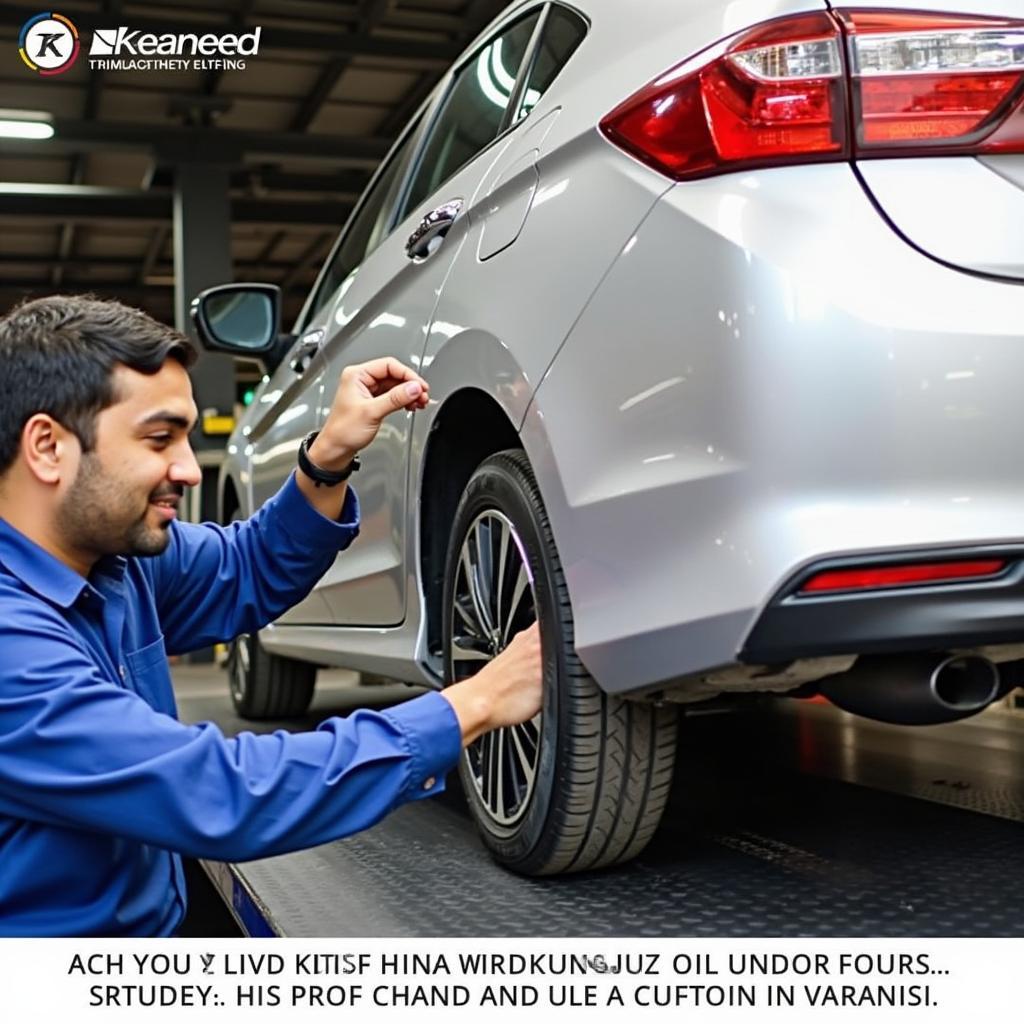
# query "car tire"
(584, 785)
(263, 685)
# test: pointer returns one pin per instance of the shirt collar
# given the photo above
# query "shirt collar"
(41, 572)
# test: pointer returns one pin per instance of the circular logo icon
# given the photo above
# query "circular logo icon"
(49, 43)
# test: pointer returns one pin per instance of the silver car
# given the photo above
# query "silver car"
(722, 310)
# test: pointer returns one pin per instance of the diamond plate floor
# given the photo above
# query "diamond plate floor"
(792, 819)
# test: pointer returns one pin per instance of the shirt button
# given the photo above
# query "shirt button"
(430, 783)
(122, 670)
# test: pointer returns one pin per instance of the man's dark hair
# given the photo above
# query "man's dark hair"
(58, 355)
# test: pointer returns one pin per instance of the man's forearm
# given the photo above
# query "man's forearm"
(505, 691)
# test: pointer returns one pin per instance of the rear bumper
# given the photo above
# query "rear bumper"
(767, 378)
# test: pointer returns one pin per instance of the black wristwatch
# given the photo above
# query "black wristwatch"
(315, 473)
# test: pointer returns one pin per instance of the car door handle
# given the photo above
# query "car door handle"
(424, 241)
(306, 350)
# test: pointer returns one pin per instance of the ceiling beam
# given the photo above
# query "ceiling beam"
(373, 13)
(12, 290)
(263, 257)
(317, 96)
(153, 250)
(148, 265)
(88, 202)
(312, 256)
(272, 37)
(316, 13)
(212, 79)
(399, 116)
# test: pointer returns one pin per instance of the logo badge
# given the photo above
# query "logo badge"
(49, 43)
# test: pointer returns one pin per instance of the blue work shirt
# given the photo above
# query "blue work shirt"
(99, 782)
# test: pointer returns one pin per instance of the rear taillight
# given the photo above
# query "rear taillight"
(786, 91)
(881, 577)
(776, 94)
(929, 82)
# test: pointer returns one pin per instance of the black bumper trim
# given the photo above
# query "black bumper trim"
(918, 617)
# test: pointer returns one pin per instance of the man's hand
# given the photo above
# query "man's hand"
(506, 691)
(367, 392)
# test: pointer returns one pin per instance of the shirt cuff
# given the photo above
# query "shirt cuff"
(432, 730)
(303, 523)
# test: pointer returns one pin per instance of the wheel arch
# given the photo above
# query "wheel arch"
(470, 426)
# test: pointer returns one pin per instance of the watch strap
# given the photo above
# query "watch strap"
(320, 476)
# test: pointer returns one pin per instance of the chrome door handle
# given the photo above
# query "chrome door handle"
(431, 230)
(306, 350)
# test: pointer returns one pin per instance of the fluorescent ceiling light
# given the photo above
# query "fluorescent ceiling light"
(25, 124)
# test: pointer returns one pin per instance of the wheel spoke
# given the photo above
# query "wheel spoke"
(478, 599)
(499, 583)
(471, 623)
(484, 575)
(522, 584)
(523, 760)
(494, 771)
(485, 768)
(500, 771)
(465, 648)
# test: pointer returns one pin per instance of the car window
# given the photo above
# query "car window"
(562, 34)
(473, 110)
(367, 229)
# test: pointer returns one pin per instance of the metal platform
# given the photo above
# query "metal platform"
(790, 819)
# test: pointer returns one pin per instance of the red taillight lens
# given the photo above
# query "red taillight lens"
(927, 81)
(779, 94)
(776, 93)
(880, 577)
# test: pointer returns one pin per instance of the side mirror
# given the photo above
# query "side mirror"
(242, 319)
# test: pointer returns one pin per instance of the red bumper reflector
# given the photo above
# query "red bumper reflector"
(879, 577)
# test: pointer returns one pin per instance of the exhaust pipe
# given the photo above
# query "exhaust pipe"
(916, 689)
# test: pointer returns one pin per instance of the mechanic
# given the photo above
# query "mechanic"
(101, 788)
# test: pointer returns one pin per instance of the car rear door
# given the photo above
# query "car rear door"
(386, 299)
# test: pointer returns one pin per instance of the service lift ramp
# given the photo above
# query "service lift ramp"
(791, 820)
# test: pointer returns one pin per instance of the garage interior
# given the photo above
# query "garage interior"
(787, 818)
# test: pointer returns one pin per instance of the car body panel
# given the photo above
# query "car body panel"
(961, 210)
(740, 447)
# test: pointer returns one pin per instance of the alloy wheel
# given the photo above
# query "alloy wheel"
(494, 598)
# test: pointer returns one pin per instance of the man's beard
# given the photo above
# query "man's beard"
(100, 515)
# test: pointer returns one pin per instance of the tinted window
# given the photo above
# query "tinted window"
(366, 230)
(473, 110)
(563, 32)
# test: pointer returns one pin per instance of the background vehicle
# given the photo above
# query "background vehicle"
(721, 312)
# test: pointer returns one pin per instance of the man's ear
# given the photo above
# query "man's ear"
(51, 451)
